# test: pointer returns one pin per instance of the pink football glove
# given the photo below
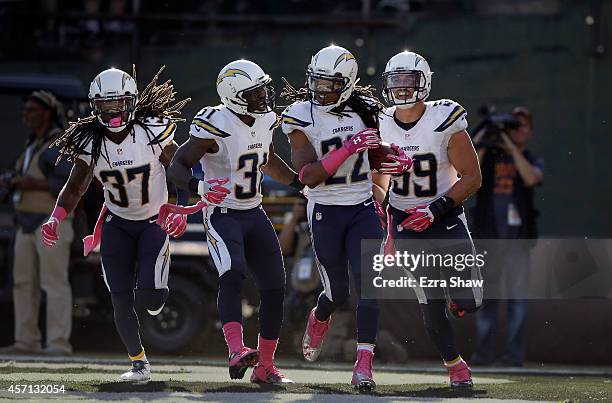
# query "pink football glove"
(213, 190)
(175, 225)
(168, 209)
(49, 229)
(363, 140)
(401, 162)
(419, 220)
(382, 216)
(49, 232)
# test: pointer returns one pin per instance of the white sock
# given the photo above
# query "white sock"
(366, 346)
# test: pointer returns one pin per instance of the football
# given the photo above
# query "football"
(377, 156)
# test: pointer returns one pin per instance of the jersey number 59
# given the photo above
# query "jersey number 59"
(425, 166)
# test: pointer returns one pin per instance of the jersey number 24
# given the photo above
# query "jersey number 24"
(356, 175)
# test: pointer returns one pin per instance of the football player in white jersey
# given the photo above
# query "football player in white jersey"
(426, 203)
(331, 125)
(125, 144)
(234, 140)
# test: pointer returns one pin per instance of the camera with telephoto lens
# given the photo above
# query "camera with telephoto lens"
(493, 125)
(6, 188)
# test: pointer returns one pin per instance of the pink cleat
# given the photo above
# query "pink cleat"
(362, 372)
(268, 374)
(240, 361)
(313, 337)
(460, 375)
(454, 310)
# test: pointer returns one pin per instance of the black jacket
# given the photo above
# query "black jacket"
(483, 213)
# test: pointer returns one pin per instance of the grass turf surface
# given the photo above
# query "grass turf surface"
(526, 388)
(72, 370)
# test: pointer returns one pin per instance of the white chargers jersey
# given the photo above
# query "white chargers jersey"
(352, 183)
(243, 150)
(426, 143)
(135, 181)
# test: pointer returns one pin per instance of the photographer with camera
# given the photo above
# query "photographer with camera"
(34, 186)
(505, 210)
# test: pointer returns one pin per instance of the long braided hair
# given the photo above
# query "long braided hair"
(155, 101)
(362, 101)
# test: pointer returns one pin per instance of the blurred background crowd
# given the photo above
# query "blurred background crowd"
(535, 70)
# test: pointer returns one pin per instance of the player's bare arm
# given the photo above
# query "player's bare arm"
(462, 156)
(186, 156)
(76, 186)
(380, 186)
(304, 160)
(168, 153)
(279, 170)
(179, 171)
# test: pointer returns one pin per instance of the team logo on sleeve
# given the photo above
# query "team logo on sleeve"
(290, 120)
(277, 123)
(200, 123)
(457, 113)
(166, 133)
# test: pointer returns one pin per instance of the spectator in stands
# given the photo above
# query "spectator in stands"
(36, 184)
(303, 282)
(297, 251)
(505, 210)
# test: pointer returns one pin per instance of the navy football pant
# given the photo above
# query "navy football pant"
(238, 239)
(135, 254)
(433, 300)
(337, 232)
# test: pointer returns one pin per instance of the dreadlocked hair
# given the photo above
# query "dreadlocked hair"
(362, 101)
(155, 101)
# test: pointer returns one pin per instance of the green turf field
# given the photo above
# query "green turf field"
(548, 388)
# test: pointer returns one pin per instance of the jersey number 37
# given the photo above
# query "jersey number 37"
(118, 181)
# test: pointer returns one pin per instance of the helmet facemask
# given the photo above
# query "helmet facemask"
(404, 88)
(325, 90)
(258, 100)
(114, 112)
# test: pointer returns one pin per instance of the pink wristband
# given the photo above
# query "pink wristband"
(332, 161)
(59, 212)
